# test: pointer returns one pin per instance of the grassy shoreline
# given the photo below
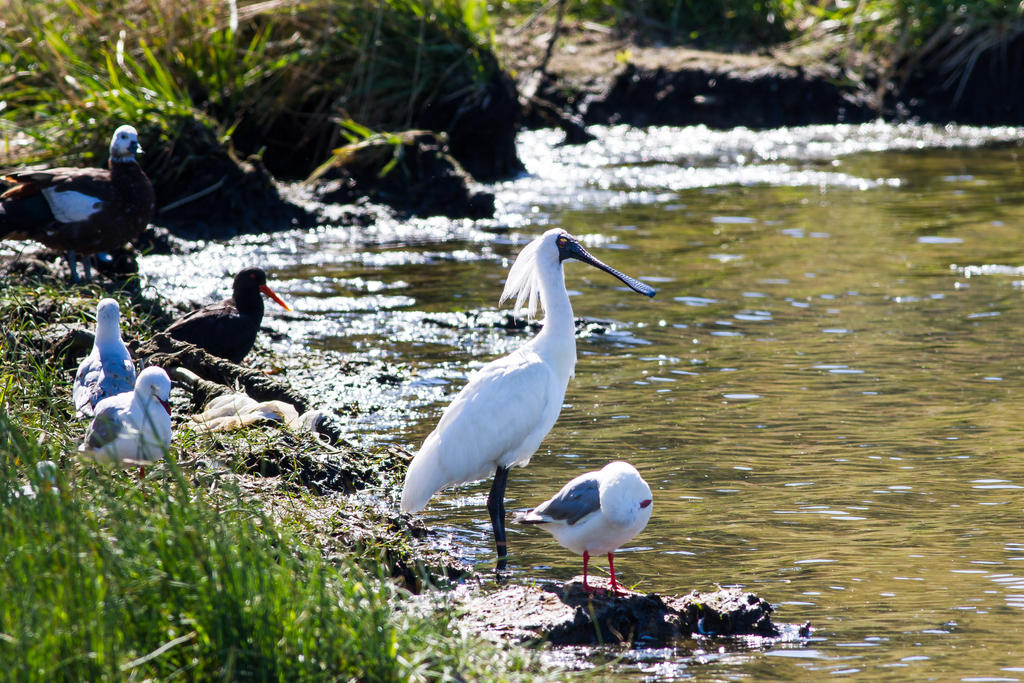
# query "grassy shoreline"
(201, 570)
(291, 80)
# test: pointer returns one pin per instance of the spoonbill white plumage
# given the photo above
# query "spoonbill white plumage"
(108, 370)
(596, 513)
(501, 416)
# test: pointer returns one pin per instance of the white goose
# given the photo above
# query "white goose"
(501, 416)
(107, 370)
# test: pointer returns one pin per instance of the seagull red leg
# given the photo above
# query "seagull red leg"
(616, 588)
(586, 559)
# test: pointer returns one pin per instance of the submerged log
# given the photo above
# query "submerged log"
(567, 615)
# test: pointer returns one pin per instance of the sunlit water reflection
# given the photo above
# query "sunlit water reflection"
(825, 394)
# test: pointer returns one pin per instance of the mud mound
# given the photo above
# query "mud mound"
(204, 192)
(410, 171)
(567, 615)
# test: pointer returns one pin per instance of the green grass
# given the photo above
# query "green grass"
(183, 575)
(270, 73)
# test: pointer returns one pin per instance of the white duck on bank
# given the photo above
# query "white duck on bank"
(596, 513)
(132, 428)
(108, 369)
(501, 416)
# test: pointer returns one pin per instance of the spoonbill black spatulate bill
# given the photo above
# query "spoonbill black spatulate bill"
(108, 370)
(83, 210)
(501, 416)
(228, 328)
(596, 513)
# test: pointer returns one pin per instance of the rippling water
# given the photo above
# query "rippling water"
(824, 396)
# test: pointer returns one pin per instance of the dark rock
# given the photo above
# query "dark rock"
(158, 240)
(69, 345)
(765, 97)
(409, 171)
(27, 267)
(567, 615)
(481, 127)
(119, 264)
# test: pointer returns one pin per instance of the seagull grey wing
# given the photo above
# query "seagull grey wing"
(104, 428)
(576, 500)
(118, 377)
(85, 391)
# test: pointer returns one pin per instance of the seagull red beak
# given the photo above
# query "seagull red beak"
(166, 405)
(645, 503)
(278, 300)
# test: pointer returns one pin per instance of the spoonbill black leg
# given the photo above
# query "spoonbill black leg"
(496, 509)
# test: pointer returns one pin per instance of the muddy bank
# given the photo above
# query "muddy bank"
(566, 615)
(601, 78)
(412, 172)
(606, 83)
(342, 506)
(590, 77)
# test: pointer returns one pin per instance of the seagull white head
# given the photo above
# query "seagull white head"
(625, 496)
(154, 384)
(108, 320)
(124, 144)
(547, 252)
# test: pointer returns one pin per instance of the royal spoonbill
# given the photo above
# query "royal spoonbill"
(108, 370)
(596, 513)
(501, 416)
(228, 328)
(134, 427)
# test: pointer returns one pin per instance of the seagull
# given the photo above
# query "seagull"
(501, 416)
(227, 329)
(132, 428)
(107, 370)
(596, 513)
(84, 210)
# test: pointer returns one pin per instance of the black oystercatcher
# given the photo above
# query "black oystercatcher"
(84, 210)
(228, 329)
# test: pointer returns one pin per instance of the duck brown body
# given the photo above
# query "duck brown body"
(124, 204)
(84, 210)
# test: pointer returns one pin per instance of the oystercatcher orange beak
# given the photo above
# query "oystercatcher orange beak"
(272, 295)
